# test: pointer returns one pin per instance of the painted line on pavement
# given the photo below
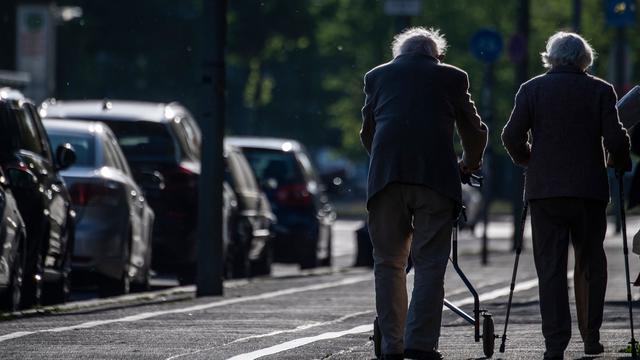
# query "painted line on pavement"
(315, 324)
(285, 346)
(147, 315)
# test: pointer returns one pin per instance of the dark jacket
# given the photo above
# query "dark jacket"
(569, 114)
(412, 104)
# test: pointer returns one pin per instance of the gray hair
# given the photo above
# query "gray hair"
(566, 48)
(421, 40)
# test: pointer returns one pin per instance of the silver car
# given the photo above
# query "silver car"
(114, 222)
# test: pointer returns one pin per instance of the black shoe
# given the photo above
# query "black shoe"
(593, 348)
(392, 357)
(422, 355)
(553, 357)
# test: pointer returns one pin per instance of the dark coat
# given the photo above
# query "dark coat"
(570, 114)
(412, 104)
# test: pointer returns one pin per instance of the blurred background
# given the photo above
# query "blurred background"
(294, 69)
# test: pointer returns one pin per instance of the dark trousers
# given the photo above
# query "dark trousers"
(554, 222)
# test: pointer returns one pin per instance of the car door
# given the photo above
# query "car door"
(9, 230)
(136, 200)
(55, 196)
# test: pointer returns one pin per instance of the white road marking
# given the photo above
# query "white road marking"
(278, 332)
(315, 324)
(491, 295)
(301, 342)
(146, 315)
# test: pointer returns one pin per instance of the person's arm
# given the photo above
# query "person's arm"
(515, 135)
(615, 138)
(368, 121)
(473, 132)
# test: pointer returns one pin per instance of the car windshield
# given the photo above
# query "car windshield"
(83, 144)
(144, 141)
(274, 165)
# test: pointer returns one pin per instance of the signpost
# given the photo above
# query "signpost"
(486, 45)
(403, 10)
(619, 15)
(210, 250)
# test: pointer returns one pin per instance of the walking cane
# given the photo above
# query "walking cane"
(519, 239)
(625, 249)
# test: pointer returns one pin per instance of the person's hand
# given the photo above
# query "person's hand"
(466, 170)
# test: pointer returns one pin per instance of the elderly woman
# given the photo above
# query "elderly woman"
(570, 115)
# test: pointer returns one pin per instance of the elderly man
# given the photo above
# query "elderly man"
(569, 114)
(411, 108)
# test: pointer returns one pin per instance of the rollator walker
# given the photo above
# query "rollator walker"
(488, 334)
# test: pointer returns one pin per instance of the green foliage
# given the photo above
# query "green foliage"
(295, 68)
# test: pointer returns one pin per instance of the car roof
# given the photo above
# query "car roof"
(111, 110)
(75, 126)
(7, 93)
(264, 143)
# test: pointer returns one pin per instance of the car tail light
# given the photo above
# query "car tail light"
(84, 193)
(295, 195)
(180, 177)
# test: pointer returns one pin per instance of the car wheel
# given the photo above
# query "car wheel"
(240, 252)
(187, 274)
(308, 250)
(12, 298)
(32, 282)
(328, 261)
(59, 291)
(262, 265)
(112, 287)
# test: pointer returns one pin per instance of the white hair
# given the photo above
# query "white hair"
(566, 48)
(419, 39)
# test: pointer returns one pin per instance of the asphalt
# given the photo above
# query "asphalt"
(322, 314)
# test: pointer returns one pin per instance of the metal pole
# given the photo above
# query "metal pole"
(487, 116)
(210, 250)
(577, 15)
(619, 85)
(522, 75)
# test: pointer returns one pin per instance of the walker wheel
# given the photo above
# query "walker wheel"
(377, 339)
(488, 335)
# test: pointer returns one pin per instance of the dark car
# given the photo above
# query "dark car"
(162, 145)
(304, 214)
(13, 239)
(33, 170)
(250, 250)
(113, 220)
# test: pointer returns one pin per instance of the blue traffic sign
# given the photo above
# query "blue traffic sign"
(486, 45)
(620, 13)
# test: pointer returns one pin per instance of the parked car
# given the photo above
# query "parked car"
(304, 215)
(161, 142)
(250, 250)
(33, 170)
(13, 237)
(114, 223)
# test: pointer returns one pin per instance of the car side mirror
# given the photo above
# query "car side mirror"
(152, 180)
(65, 156)
(22, 179)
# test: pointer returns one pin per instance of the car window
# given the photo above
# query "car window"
(9, 132)
(117, 153)
(181, 135)
(307, 166)
(274, 164)
(193, 135)
(109, 156)
(29, 136)
(83, 144)
(245, 171)
(43, 138)
(144, 141)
